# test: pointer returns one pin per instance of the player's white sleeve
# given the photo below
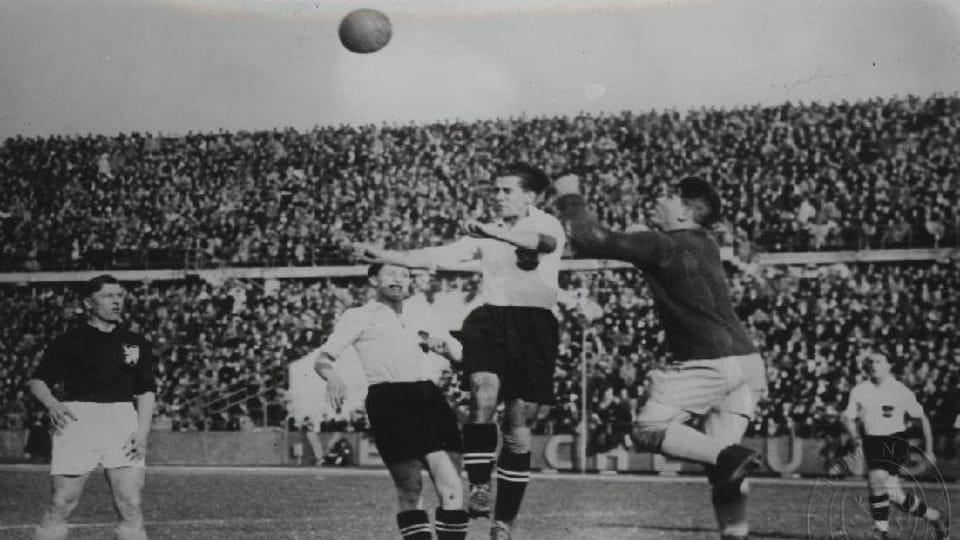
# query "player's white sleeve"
(910, 403)
(345, 332)
(853, 406)
(464, 249)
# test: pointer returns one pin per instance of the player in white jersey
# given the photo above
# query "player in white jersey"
(880, 405)
(412, 422)
(510, 342)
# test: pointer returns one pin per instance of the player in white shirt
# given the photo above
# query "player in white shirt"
(511, 341)
(411, 420)
(880, 405)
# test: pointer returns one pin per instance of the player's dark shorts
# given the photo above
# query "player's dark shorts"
(886, 452)
(411, 420)
(517, 343)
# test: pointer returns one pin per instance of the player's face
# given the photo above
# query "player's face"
(510, 200)
(107, 303)
(669, 211)
(393, 283)
(421, 280)
(878, 366)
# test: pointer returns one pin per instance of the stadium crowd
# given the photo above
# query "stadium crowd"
(224, 347)
(797, 177)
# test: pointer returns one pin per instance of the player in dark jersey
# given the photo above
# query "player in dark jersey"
(103, 369)
(715, 370)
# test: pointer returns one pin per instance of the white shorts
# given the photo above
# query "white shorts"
(733, 384)
(96, 437)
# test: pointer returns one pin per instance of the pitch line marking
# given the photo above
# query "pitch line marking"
(322, 473)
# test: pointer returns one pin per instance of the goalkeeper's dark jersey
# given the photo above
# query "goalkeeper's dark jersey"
(685, 274)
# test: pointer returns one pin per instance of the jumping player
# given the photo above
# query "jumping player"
(104, 368)
(412, 422)
(880, 404)
(511, 341)
(715, 369)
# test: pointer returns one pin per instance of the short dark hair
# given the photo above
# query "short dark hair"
(696, 189)
(531, 178)
(93, 285)
(374, 270)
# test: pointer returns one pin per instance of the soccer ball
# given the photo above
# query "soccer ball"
(365, 31)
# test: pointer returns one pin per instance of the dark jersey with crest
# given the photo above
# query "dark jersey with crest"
(98, 366)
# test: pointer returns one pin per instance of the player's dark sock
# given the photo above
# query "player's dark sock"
(513, 474)
(880, 510)
(479, 451)
(451, 524)
(731, 515)
(915, 507)
(414, 525)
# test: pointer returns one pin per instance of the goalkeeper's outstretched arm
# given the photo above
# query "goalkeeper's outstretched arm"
(591, 239)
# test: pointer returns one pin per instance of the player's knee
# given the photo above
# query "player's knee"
(408, 499)
(484, 388)
(484, 403)
(516, 439)
(63, 504)
(877, 479)
(450, 492)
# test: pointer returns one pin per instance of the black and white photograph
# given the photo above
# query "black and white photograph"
(486, 269)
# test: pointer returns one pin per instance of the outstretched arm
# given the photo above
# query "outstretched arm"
(409, 259)
(464, 249)
(590, 238)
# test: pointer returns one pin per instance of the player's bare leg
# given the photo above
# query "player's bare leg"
(413, 521)
(451, 518)
(480, 441)
(879, 500)
(660, 428)
(126, 485)
(907, 502)
(513, 467)
(66, 494)
(729, 506)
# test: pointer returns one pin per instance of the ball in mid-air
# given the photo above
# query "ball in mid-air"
(365, 31)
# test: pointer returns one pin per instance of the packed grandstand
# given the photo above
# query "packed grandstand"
(801, 178)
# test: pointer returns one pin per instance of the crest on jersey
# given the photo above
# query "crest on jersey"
(131, 353)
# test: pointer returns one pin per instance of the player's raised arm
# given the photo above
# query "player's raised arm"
(464, 249)
(590, 238)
